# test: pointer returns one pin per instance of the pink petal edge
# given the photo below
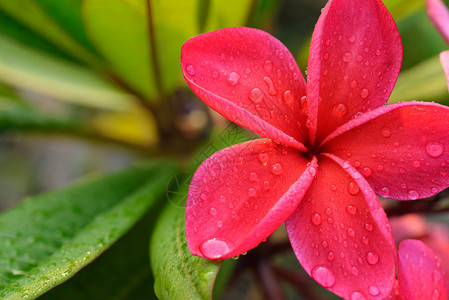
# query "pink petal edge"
(439, 15)
(420, 275)
(340, 233)
(242, 194)
(354, 62)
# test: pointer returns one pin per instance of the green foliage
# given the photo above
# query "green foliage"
(48, 238)
(178, 274)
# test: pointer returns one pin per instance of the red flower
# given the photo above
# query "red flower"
(439, 14)
(332, 146)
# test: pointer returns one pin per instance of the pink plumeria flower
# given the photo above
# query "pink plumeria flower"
(439, 15)
(420, 275)
(332, 145)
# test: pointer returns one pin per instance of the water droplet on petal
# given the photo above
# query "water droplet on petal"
(340, 109)
(276, 169)
(367, 171)
(351, 209)
(412, 195)
(436, 275)
(365, 240)
(271, 89)
(333, 187)
(213, 211)
(372, 258)
(214, 248)
(312, 171)
(357, 296)
(253, 177)
(323, 276)
(434, 149)
(416, 164)
(288, 97)
(316, 219)
(435, 294)
(373, 291)
(252, 192)
(256, 95)
(353, 188)
(233, 78)
(355, 271)
(268, 66)
(352, 39)
(330, 256)
(347, 57)
(384, 192)
(263, 157)
(364, 93)
(222, 198)
(386, 132)
(190, 70)
(369, 227)
(350, 232)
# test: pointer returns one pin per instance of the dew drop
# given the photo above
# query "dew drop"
(253, 177)
(203, 197)
(233, 78)
(271, 89)
(384, 192)
(312, 171)
(219, 224)
(340, 109)
(214, 248)
(367, 171)
(288, 97)
(353, 188)
(263, 157)
(351, 209)
(416, 164)
(365, 240)
(386, 132)
(252, 192)
(372, 258)
(324, 244)
(357, 296)
(412, 195)
(364, 93)
(369, 227)
(323, 276)
(347, 57)
(350, 232)
(330, 256)
(373, 291)
(355, 271)
(276, 169)
(328, 211)
(222, 198)
(256, 95)
(436, 275)
(268, 66)
(352, 39)
(333, 187)
(435, 294)
(434, 149)
(316, 219)
(213, 211)
(190, 70)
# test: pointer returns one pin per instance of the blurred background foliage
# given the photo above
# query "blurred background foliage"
(96, 85)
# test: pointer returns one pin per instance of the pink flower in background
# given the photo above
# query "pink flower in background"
(332, 146)
(439, 15)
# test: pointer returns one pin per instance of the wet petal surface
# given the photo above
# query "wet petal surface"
(251, 78)
(401, 149)
(354, 61)
(341, 235)
(243, 193)
(420, 275)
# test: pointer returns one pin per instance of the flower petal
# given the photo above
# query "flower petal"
(249, 77)
(444, 59)
(340, 233)
(420, 275)
(354, 61)
(243, 193)
(402, 149)
(439, 15)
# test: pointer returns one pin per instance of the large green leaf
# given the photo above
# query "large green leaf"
(425, 82)
(143, 50)
(32, 70)
(34, 17)
(48, 238)
(115, 274)
(178, 274)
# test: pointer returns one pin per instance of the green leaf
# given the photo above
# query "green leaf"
(115, 274)
(143, 51)
(32, 70)
(178, 274)
(34, 17)
(48, 238)
(424, 82)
